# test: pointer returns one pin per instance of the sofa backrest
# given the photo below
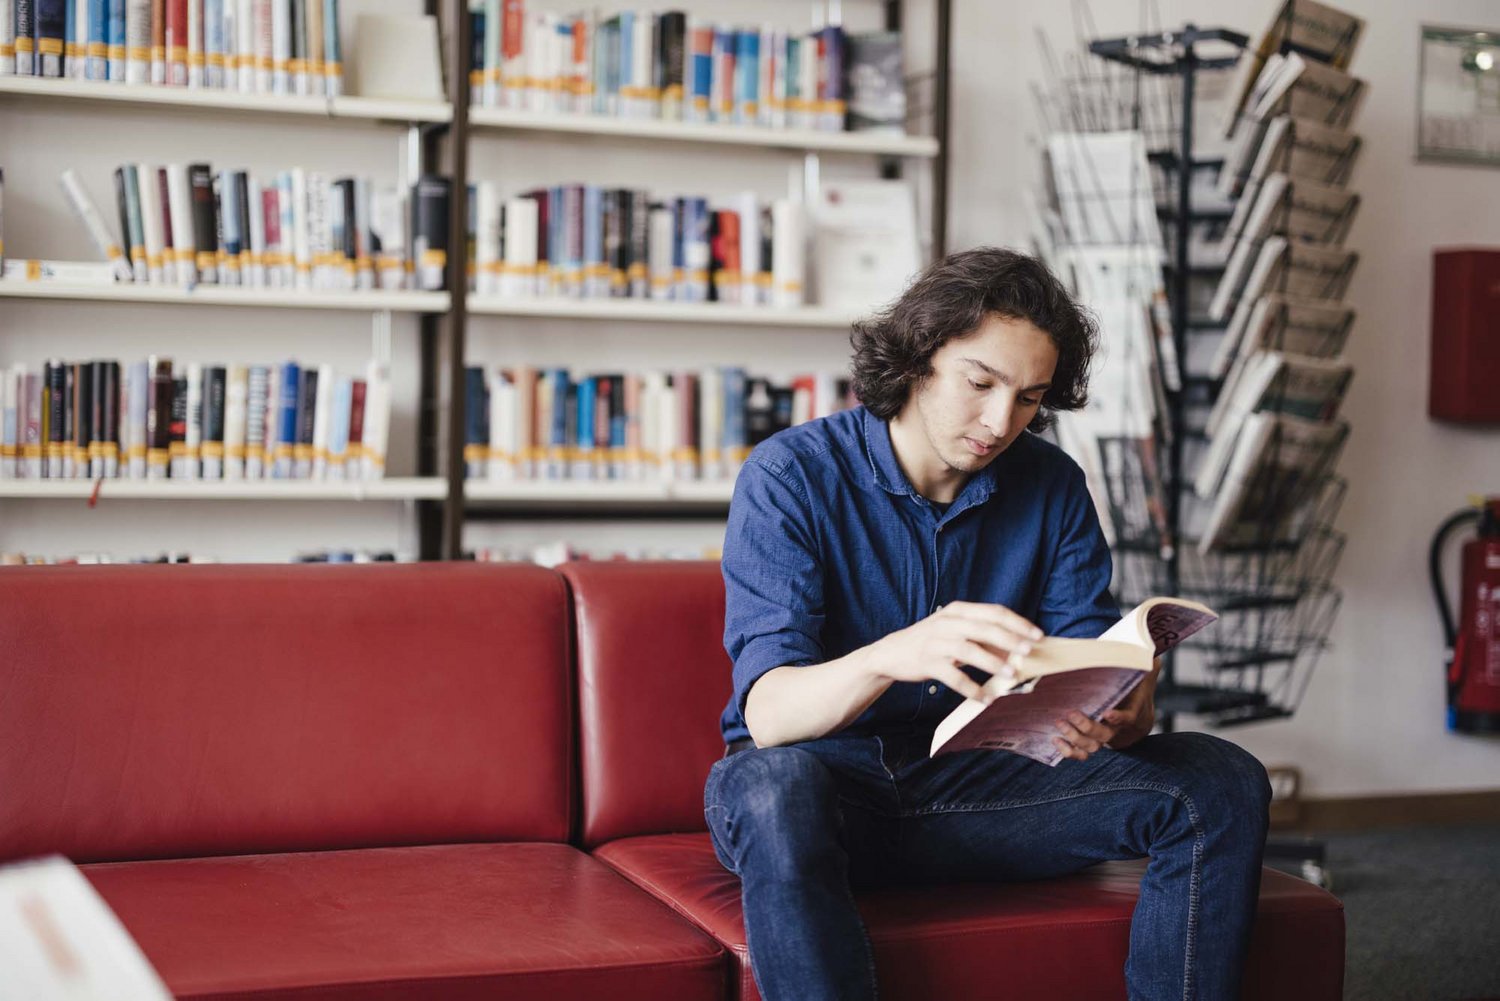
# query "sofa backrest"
(653, 678)
(172, 711)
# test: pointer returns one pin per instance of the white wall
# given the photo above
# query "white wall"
(1373, 719)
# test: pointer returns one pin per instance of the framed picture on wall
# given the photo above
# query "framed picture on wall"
(1458, 96)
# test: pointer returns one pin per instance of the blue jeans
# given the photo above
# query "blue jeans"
(805, 825)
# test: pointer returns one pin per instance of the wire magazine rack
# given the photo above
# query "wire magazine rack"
(1268, 572)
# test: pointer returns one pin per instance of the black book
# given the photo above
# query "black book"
(69, 415)
(476, 56)
(429, 231)
(760, 411)
(84, 446)
(781, 408)
(351, 231)
(213, 403)
(476, 422)
(242, 203)
(299, 45)
(109, 423)
(205, 222)
(177, 427)
(639, 244)
(614, 241)
(307, 412)
(122, 203)
(159, 408)
(51, 33)
(229, 240)
(671, 36)
(25, 23)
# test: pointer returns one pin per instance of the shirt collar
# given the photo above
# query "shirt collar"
(891, 478)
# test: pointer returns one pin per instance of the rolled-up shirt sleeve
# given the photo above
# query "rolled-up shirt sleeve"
(773, 579)
(1076, 600)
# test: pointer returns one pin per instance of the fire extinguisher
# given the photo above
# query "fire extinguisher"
(1473, 654)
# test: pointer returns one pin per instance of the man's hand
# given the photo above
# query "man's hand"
(965, 632)
(1118, 728)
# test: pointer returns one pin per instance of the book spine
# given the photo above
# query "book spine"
(297, 65)
(215, 49)
(281, 46)
(316, 79)
(193, 423)
(196, 61)
(49, 32)
(103, 241)
(135, 223)
(476, 422)
(377, 415)
(25, 29)
(10, 403)
(244, 46)
(205, 223)
(137, 41)
(236, 420)
(305, 422)
(177, 42)
(82, 430)
(430, 232)
(158, 41)
(322, 397)
(177, 426)
(122, 212)
(158, 404)
(213, 403)
(258, 421)
(230, 218)
(333, 55)
(137, 401)
(288, 378)
(180, 214)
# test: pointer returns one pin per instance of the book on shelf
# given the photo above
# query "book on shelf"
(188, 225)
(877, 83)
(1021, 707)
(1298, 147)
(865, 242)
(578, 241)
(288, 47)
(1278, 464)
(1311, 327)
(1290, 267)
(524, 423)
(157, 420)
(673, 66)
(1269, 382)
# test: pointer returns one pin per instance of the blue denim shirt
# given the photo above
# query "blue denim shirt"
(829, 548)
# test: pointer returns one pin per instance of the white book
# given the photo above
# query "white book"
(184, 251)
(281, 46)
(487, 239)
(322, 407)
(865, 242)
(244, 43)
(149, 191)
(193, 438)
(500, 464)
(196, 58)
(236, 412)
(711, 424)
(133, 392)
(388, 237)
(137, 40)
(103, 240)
(261, 18)
(518, 275)
(257, 421)
(300, 228)
(525, 410)
(487, 93)
(59, 939)
(377, 420)
(647, 104)
(659, 253)
(749, 212)
(9, 400)
(788, 253)
(653, 386)
(286, 256)
(8, 38)
(255, 275)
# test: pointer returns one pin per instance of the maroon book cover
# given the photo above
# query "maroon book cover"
(356, 415)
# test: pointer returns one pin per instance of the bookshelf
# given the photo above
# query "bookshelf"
(359, 110)
(441, 530)
(377, 300)
(437, 137)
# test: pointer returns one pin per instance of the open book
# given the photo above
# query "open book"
(1061, 675)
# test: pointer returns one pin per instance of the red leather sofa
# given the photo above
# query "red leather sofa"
(464, 781)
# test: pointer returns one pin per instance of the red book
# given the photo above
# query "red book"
(177, 42)
(1465, 382)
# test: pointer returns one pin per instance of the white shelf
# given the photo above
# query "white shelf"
(375, 300)
(393, 489)
(808, 140)
(597, 493)
(645, 310)
(354, 109)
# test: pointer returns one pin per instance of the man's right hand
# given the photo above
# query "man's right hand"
(980, 635)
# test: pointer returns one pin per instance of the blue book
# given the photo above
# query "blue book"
(229, 221)
(700, 76)
(747, 77)
(695, 250)
(557, 251)
(213, 44)
(618, 425)
(595, 272)
(286, 420)
(96, 35)
(332, 53)
(116, 55)
(736, 440)
(339, 425)
(583, 456)
(558, 440)
(626, 68)
(476, 56)
(71, 52)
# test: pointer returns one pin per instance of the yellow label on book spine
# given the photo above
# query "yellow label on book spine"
(71, 49)
(234, 452)
(215, 59)
(50, 46)
(138, 53)
(301, 452)
(23, 46)
(333, 69)
(177, 53)
(195, 59)
(135, 452)
(296, 66)
(139, 254)
(94, 451)
(475, 453)
(114, 253)
(207, 260)
(108, 450)
(213, 450)
(117, 52)
(156, 457)
(7, 50)
(263, 62)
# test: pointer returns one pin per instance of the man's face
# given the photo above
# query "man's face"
(984, 390)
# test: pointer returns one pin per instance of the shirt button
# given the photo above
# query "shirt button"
(932, 689)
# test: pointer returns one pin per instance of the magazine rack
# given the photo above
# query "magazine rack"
(1269, 575)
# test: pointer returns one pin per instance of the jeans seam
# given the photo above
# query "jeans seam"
(938, 808)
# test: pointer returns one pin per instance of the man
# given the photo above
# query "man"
(872, 560)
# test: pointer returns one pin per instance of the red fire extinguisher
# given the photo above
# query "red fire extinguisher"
(1473, 655)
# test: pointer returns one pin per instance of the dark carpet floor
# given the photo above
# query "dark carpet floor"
(1422, 912)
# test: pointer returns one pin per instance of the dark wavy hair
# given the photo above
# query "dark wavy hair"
(893, 349)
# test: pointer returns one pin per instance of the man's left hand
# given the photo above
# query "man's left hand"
(1078, 736)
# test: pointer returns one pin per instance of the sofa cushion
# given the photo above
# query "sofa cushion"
(168, 711)
(653, 678)
(1057, 938)
(450, 921)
